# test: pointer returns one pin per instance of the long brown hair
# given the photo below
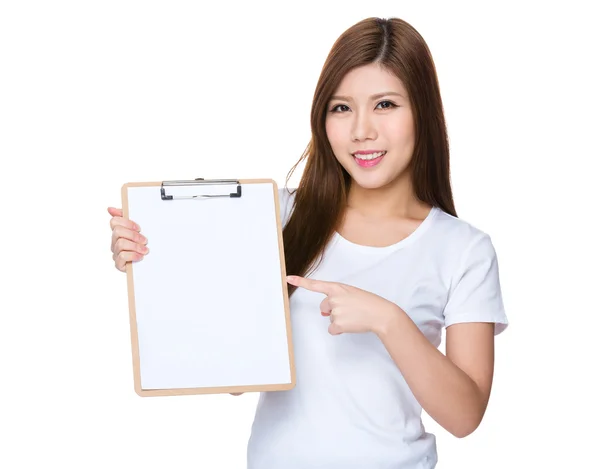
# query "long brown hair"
(320, 199)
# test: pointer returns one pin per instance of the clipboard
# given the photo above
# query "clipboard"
(208, 305)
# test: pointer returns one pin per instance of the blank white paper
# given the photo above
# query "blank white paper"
(208, 297)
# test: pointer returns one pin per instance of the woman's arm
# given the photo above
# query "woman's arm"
(454, 388)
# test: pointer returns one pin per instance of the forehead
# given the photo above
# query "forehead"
(368, 80)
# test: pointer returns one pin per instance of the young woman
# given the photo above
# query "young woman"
(381, 264)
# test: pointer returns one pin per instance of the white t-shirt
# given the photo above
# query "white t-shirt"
(351, 407)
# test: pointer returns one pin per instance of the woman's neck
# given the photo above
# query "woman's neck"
(392, 201)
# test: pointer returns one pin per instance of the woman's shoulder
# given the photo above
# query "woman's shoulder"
(460, 233)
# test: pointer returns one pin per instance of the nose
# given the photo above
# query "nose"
(363, 127)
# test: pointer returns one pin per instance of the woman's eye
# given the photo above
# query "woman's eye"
(337, 108)
(386, 104)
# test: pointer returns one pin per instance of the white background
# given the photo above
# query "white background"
(96, 94)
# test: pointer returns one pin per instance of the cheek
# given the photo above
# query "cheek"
(335, 135)
(400, 131)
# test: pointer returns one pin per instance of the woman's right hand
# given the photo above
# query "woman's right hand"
(127, 243)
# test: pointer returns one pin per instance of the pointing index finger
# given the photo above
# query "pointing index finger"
(318, 286)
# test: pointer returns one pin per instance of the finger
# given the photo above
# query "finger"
(121, 231)
(115, 212)
(123, 244)
(124, 257)
(319, 286)
(334, 329)
(120, 221)
(325, 306)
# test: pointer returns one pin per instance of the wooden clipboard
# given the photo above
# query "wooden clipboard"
(194, 227)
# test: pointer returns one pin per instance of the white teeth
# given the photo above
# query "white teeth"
(370, 156)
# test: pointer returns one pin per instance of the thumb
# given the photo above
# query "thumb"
(115, 212)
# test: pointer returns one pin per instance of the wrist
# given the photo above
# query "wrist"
(388, 320)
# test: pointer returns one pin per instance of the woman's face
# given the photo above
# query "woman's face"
(369, 125)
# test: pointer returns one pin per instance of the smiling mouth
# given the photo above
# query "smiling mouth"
(368, 156)
(368, 160)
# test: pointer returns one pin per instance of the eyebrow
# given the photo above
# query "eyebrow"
(375, 96)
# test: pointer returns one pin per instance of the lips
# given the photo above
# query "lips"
(369, 159)
(365, 154)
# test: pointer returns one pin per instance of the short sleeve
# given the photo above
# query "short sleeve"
(476, 294)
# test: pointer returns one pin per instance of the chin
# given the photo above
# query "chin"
(375, 182)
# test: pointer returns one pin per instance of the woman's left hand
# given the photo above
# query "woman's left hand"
(350, 309)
